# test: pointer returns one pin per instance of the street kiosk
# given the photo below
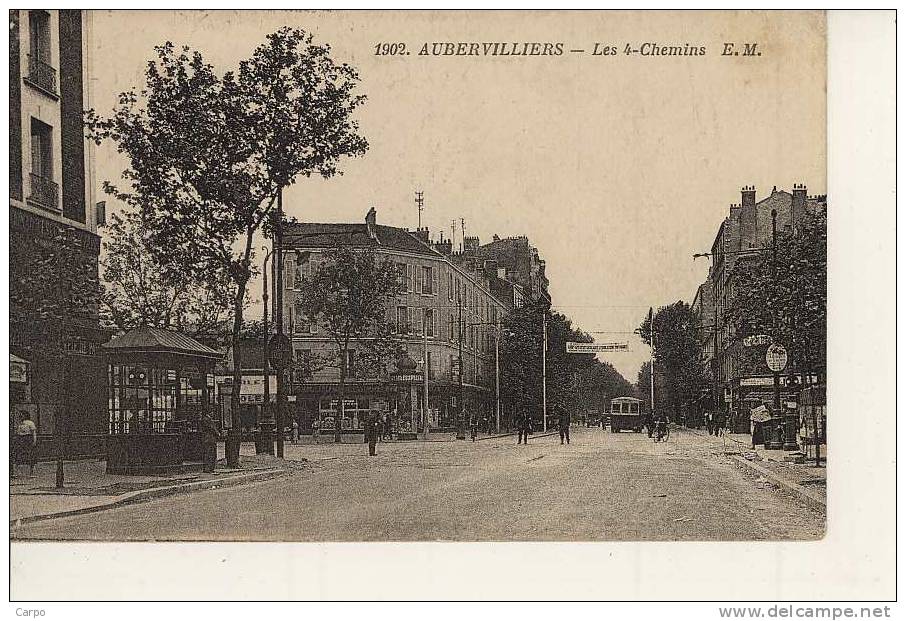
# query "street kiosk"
(159, 383)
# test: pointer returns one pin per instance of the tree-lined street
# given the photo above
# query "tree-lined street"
(603, 486)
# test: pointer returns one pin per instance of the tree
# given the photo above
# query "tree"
(677, 347)
(789, 303)
(573, 380)
(209, 155)
(348, 296)
(141, 288)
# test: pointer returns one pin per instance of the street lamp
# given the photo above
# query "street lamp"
(265, 431)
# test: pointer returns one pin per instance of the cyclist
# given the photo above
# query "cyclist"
(660, 428)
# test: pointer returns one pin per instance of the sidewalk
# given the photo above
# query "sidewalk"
(89, 488)
(775, 467)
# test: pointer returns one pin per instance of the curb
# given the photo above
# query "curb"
(157, 492)
(812, 500)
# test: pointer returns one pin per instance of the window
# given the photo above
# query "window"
(419, 321)
(404, 277)
(402, 320)
(40, 72)
(428, 286)
(418, 278)
(429, 322)
(452, 328)
(43, 189)
(450, 290)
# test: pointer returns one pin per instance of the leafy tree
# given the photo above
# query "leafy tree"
(574, 381)
(676, 334)
(141, 288)
(348, 296)
(209, 155)
(789, 303)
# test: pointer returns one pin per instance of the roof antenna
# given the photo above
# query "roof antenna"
(420, 201)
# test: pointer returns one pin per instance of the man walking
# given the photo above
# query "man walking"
(525, 428)
(564, 426)
(209, 437)
(372, 429)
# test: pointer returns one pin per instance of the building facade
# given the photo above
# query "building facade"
(747, 230)
(54, 244)
(516, 259)
(443, 311)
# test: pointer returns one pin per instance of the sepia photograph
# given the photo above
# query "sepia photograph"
(418, 276)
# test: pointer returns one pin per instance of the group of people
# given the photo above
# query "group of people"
(716, 423)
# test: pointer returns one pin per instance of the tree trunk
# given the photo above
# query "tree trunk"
(234, 437)
(340, 404)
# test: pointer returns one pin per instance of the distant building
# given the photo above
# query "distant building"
(53, 239)
(515, 258)
(441, 296)
(745, 232)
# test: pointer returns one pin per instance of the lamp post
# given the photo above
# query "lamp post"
(776, 420)
(265, 429)
(544, 369)
(460, 429)
(278, 320)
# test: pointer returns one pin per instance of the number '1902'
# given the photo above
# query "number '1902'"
(390, 49)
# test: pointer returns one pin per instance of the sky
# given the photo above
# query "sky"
(617, 168)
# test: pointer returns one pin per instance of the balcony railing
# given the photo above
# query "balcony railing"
(44, 192)
(42, 75)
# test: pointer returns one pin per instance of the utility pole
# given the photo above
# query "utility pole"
(544, 369)
(425, 369)
(776, 419)
(462, 230)
(278, 319)
(265, 442)
(497, 373)
(460, 430)
(651, 360)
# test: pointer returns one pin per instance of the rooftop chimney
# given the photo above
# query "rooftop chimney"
(797, 209)
(469, 244)
(748, 195)
(371, 222)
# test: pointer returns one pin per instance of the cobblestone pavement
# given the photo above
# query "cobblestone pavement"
(604, 486)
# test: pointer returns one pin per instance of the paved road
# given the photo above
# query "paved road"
(617, 487)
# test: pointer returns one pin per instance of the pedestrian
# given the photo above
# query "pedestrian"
(209, 436)
(564, 426)
(316, 430)
(372, 429)
(26, 443)
(388, 426)
(719, 423)
(473, 427)
(295, 439)
(709, 423)
(525, 428)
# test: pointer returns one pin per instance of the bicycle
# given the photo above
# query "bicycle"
(661, 431)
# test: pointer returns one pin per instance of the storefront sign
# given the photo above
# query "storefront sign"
(776, 357)
(573, 347)
(756, 339)
(406, 377)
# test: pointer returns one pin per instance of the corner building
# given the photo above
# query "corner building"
(53, 241)
(442, 303)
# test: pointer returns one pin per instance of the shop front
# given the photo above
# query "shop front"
(750, 392)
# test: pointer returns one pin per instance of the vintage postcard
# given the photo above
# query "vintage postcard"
(456, 276)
